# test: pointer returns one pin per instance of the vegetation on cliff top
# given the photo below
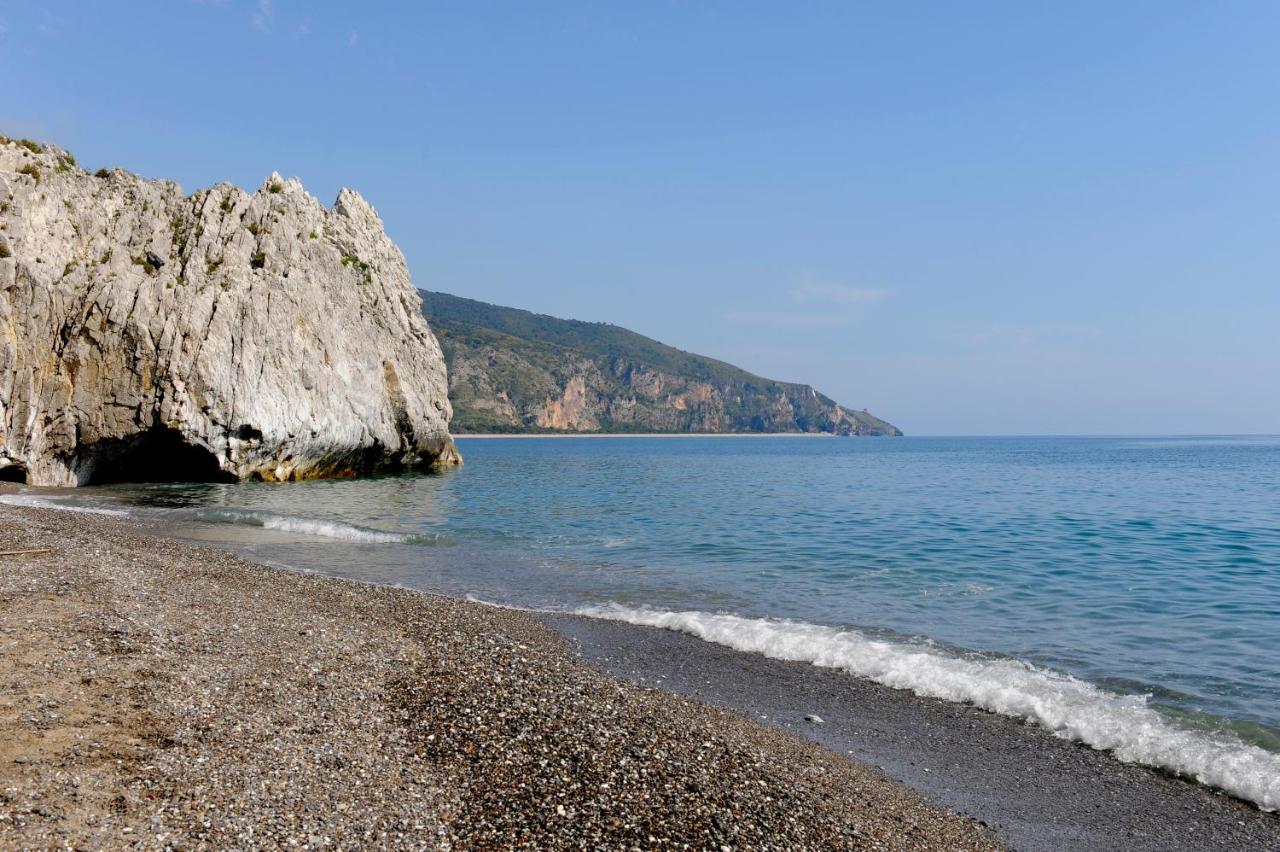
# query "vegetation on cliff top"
(516, 371)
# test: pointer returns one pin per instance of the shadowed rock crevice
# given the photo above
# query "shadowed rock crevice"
(157, 455)
(13, 473)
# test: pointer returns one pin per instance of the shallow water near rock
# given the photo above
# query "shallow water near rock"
(1119, 591)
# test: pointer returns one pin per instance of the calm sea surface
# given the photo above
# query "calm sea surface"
(1099, 576)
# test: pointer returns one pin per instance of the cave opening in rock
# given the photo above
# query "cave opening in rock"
(13, 473)
(159, 454)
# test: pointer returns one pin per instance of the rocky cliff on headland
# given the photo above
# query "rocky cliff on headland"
(148, 335)
(516, 371)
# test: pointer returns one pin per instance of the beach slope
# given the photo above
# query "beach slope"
(159, 694)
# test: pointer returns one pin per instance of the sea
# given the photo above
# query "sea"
(1123, 592)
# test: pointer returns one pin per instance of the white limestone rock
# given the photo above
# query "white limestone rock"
(145, 334)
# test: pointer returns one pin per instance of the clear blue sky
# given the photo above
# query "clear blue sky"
(968, 217)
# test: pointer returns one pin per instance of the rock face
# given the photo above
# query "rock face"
(515, 371)
(149, 335)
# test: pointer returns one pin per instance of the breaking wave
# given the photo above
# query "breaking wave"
(1124, 725)
(333, 529)
(305, 526)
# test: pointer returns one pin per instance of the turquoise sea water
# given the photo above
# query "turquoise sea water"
(1121, 591)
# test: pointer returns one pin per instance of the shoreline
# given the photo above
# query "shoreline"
(162, 694)
(1036, 791)
(1059, 795)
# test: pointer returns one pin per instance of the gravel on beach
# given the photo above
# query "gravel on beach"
(1036, 791)
(160, 695)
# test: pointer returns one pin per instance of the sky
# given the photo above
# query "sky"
(969, 218)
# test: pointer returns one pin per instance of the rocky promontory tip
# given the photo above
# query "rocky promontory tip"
(149, 335)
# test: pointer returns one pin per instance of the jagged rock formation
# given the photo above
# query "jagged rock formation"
(148, 335)
(515, 371)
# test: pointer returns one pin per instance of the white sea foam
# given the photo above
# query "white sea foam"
(331, 529)
(1069, 707)
(41, 503)
(299, 526)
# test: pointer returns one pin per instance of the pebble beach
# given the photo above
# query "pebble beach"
(161, 695)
